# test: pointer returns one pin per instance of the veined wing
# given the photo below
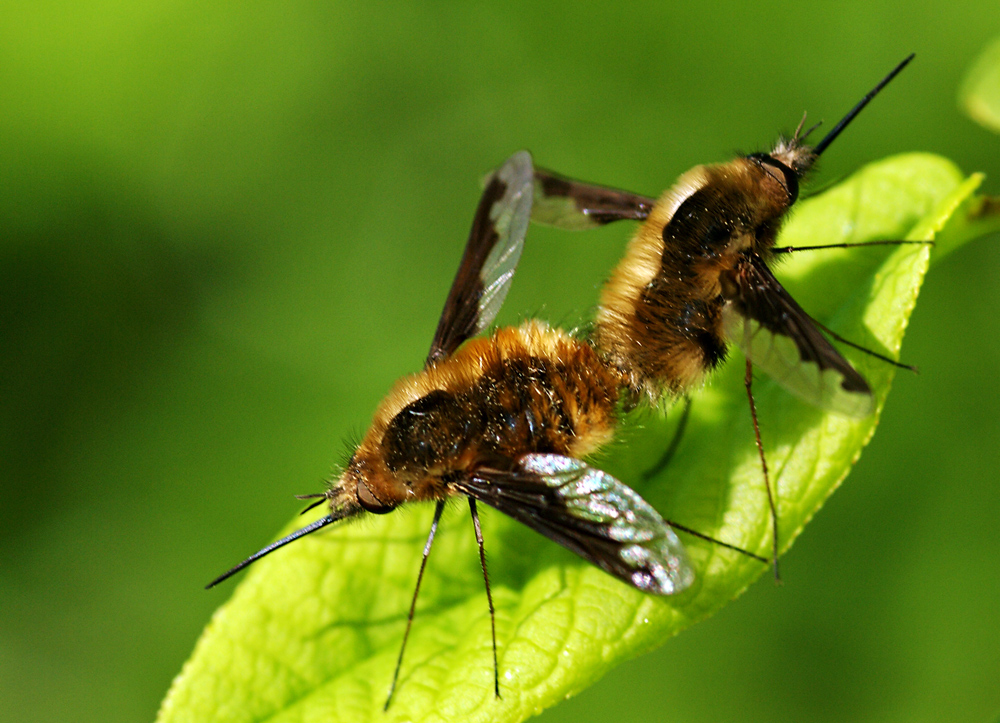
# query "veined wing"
(590, 513)
(774, 332)
(490, 259)
(575, 205)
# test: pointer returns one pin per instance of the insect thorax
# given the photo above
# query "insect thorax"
(525, 389)
(660, 315)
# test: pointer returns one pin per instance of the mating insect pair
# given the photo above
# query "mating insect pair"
(507, 420)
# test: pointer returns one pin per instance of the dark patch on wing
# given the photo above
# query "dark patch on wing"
(757, 295)
(575, 205)
(490, 258)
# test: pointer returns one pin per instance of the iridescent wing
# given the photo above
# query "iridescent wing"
(575, 205)
(774, 332)
(590, 513)
(490, 259)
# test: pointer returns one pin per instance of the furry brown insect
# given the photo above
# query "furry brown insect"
(696, 277)
(505, 420)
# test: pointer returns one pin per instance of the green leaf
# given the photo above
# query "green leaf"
(312, 632)
(979, 94)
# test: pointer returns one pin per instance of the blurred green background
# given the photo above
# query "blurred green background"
(226, 230)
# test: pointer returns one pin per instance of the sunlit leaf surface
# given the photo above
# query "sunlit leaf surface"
(312, 632)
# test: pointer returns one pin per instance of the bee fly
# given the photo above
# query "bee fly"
(505, 420)
(696, 277)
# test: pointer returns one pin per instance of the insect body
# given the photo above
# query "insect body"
(696, 277)
(505, 420)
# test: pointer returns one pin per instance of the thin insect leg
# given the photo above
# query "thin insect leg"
(748, 381)
(866, 350)
(708, 538)
(413, 604)
(675, 442)
(489, 595)
(891, 242)
(830, 332)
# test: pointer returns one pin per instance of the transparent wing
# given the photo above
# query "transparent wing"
(575, 205)
(774, 332)
(590, 513)
(490, 259)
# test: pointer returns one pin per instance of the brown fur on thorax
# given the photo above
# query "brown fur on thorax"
(525, 389)
(659, 320)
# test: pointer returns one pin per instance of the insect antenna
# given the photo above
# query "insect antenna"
(438, 509)
(832, 135)
(489, 595)
(307, 530)
(675, 442)
(808, 133)
(317, 503)
(748, 382)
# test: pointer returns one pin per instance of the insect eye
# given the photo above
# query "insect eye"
(783, 174)
(372, 503)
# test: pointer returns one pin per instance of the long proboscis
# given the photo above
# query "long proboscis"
(307, 530)
(832, 135)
